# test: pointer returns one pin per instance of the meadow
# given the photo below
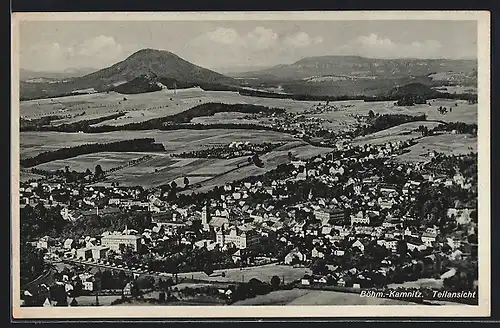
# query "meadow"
(263, 273)
(33, 143)
(450, 144)
(145, 106)
(462, 111)
(107, 160)
(317, 297)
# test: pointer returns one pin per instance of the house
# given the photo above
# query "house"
(359, 218)
(218, 222)
(359, 245)
(326, 230)
(391, 244)
(69, 243)
(428, 238)
(127, 290)
(83, 253)
(236, 256)
(456, 255)
(415, 245)
(453, 242)
(317, 254)
(338, 252)
(45, 242)
(306, 280)
(319, 279)
(341, 282)
(88, 286)
(295, 254)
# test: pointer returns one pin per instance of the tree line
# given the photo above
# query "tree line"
(138, 145)
(43, 124)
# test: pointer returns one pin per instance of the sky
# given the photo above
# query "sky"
(236, 45)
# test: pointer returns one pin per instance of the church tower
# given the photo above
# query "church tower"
(205, 217)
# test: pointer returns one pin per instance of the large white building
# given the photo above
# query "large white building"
(118, 242)
(237, 237)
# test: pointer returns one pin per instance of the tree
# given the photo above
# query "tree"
(319, 267)
(208, 268)
(98, 172)
(275, 282)
(186, 182)
(371, 114)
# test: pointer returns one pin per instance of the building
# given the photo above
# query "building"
(84, 253)
(118, 242)
(360, 219)
(295, 254)
(218, 222)
(99, 252)
(336, 215)
(45, 242)
(69, 243)
(205, 218)
(428, 238)
(238, 237)
(94, 252)
(323, 216)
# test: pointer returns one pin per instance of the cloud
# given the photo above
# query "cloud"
(222, 35)
(260, 38)
(224, 47)
(301, 39)
(375, 46)
(100, 46)
(97, 51)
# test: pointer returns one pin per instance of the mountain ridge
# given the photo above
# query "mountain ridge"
(353, 65)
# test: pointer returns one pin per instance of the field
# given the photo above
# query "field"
(204, 174)
(162, 168)
(27, 176)
(462, 112)
(455, 144)
(316, 297)
(263, 273)
(107, 160)
(394, 134)
(104, 300)
(33, 143)
(271, 161)
(141, 107)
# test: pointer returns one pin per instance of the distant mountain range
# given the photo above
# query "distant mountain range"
(360, 67)
(150, 70)
(26, 75)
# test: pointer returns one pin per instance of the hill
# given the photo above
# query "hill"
(137, 73)
(360, 67)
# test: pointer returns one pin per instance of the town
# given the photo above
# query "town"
(352, 219)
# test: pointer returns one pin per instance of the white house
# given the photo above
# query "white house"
(359, 245)
(289, 257)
